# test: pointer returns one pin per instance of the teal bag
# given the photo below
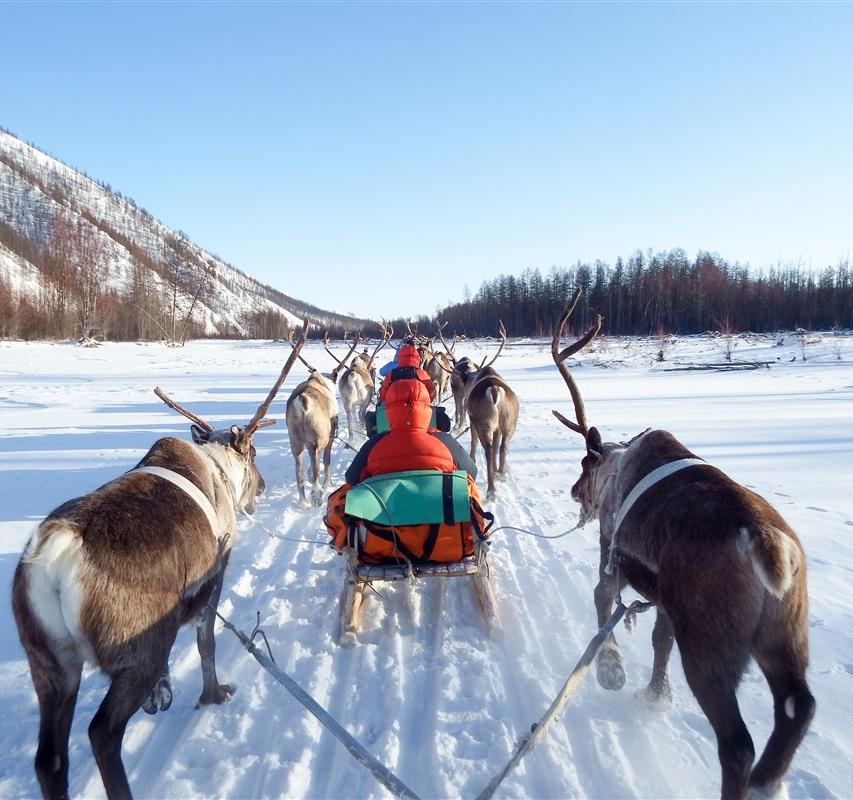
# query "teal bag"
(414, 497)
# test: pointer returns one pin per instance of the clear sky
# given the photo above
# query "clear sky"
(377, 157)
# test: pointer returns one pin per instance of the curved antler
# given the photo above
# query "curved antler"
(449, 350)
(502, 332)
(258, 420)
(341, 364)
(560, 356)
(387, 331)
(181, 410)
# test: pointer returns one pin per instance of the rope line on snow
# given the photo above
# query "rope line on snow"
(384, 775)
(527, 742)
(533, 533)
(276, 535)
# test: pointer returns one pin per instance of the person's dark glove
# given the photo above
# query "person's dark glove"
(442, 421)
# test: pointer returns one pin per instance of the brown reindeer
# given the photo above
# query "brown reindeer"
(356, 382)
(439, 367)
(727, 574)
(109, 578)
(492, 409)
(312, 424)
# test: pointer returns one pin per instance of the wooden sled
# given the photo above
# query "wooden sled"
(360, 576)
(401, 497)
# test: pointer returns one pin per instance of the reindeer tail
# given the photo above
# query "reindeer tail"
(496, 393)
(775, 556)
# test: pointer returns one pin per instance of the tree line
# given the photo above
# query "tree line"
(655, 294)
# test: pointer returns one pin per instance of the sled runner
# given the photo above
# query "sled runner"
(414, 524)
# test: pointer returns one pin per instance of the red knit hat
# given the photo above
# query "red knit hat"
(408, 356)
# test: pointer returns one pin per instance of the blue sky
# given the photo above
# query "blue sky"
(378, 157)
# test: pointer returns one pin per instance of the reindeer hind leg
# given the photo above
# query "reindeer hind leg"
(713, 672)
(127, 692)
(300, 475)
(784, 666)
(57, 696)
(316, 488)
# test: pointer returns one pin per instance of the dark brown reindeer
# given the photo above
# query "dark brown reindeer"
(108, 578)
(727, 574)
(492, 409)
(312, 424)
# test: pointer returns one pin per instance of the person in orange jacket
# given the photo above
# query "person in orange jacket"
(408, 367)
(410, 443)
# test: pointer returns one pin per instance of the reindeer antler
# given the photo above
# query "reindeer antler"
(258, 420)
(560, 356)
(341, 364)
(181, 410)
(502, 332)
(444, 342)
(387, 332)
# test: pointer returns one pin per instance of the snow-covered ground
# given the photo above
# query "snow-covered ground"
(426, 690)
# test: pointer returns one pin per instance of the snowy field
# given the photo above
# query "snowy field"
(425, 690)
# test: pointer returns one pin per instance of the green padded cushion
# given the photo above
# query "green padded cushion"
(414, 497)
(382, 419)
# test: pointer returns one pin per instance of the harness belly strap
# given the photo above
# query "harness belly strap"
(646, 483)
(192, 490)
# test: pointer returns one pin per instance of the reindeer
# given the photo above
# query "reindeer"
(727, 574)
(492, 409)
(312, 424)
(356, 381)
(439, 367)
(109, 578)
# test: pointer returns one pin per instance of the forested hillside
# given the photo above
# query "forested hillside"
(79, 259)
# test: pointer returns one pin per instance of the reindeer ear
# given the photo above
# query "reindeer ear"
(593, 443)
(239, 441)
(200, 435)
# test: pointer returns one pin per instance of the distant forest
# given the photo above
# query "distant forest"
(655, 294)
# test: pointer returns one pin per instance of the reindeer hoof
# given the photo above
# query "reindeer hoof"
(775, 791)
(160, 698)
(221, 694)
(317, 499)
(656, 696)
(611, 670)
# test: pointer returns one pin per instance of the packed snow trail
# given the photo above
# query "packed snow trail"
(425, 689)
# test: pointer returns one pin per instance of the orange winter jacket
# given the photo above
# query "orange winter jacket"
(407, 445)
(407, 356)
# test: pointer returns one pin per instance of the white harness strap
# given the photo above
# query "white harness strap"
(192, 490)
(656, 475)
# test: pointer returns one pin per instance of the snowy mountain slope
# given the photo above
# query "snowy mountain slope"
(35, 190)
(425, 689)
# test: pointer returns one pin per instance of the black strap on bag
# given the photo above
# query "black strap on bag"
(429, 544)
(447, 497)
(487, 515)
(388, 536)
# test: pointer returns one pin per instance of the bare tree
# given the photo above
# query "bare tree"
(59, 273)
(89, 273)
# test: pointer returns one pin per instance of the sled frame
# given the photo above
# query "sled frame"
(360, 576)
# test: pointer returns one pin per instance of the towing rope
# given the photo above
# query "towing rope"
(533, 533)
(384, 775)
(527, 742)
